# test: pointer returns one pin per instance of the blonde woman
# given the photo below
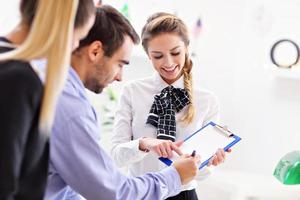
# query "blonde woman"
(46, 31)
(156, 113)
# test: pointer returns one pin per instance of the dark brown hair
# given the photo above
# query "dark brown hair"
(110, 28)
(85, 9)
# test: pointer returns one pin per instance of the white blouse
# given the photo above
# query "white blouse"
(130, 124)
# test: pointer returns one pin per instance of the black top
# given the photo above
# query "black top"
(23, 149)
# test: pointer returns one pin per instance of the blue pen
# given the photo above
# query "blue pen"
(193, 153)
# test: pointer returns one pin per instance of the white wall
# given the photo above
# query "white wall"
(263, 109)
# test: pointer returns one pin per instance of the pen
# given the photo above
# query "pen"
(193, 153)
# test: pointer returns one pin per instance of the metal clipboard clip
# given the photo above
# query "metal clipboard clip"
(224, 130)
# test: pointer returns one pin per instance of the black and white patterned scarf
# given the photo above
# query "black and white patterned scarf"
(164, 107)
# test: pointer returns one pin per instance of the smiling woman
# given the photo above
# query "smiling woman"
(167, 52)
(175, 51)
(170, 108)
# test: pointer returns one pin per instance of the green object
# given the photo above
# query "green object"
(111, 94)
(125, 11)
(287, 170)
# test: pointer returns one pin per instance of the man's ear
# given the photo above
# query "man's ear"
(95, 50)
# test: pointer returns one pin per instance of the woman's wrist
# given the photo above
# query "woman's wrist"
(142, 145)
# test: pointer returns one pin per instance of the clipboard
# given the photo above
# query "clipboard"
(205, 142)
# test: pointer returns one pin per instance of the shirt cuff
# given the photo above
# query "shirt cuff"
(173, 180)
(135, 145)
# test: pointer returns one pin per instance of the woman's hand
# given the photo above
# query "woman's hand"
(163, 148)
(218, 158)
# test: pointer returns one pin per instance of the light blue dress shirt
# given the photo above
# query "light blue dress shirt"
(78, 165)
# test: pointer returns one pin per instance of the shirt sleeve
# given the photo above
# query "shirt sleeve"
(124, 150)
(85, 167)
(19, 105)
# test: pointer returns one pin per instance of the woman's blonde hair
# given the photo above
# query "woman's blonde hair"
(50, 37)
(160, 23)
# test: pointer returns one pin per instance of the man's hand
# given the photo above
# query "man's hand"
(187, 167)
(163, 148)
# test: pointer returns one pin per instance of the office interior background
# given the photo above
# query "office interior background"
(230, 46)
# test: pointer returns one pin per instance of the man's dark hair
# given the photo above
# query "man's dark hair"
(110, 28)
(85, 9)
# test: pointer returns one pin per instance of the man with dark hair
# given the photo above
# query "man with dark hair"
(78, 165)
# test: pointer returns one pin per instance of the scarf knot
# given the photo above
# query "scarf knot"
(162, 113)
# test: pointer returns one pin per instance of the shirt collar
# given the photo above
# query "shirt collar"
(40, 67)
(161, 84)
(76, 82)
(78, 86)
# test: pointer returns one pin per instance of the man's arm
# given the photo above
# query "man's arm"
(85, 166)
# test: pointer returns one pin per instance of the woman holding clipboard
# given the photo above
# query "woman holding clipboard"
(156, 113)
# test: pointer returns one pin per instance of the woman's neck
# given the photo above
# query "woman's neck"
(18, 34)
(171, 81)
